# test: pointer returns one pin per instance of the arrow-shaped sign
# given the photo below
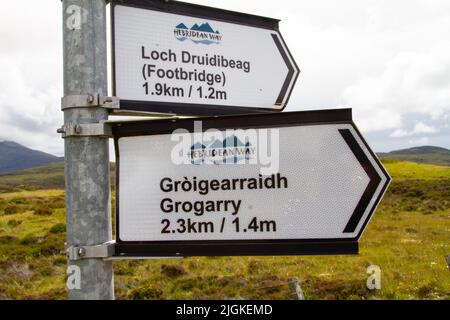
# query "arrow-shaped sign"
(289, 183)
(181, 58)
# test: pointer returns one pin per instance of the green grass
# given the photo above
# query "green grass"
(409, 170)
(432, 158)
(408, 238)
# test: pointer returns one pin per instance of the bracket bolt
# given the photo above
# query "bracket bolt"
(90, 98)
(61, 130)
(81, 252)
(77, 129)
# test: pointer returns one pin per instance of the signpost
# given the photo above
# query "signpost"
(261, 184)
(278, 184)
(181, 58)
(88, 209)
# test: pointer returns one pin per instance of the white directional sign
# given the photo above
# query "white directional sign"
(300, 182)
(187, 59)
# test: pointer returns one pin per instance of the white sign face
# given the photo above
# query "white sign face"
(179, 62)
(294, 182)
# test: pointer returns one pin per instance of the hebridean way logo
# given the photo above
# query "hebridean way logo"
(231, 150)
(204, 34)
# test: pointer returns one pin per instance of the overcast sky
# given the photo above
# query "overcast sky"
(388, 60)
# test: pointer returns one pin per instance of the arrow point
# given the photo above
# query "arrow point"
(293, 71)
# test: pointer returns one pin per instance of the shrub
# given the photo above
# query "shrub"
(427, 290)
(12, 209)
(173, 271)
(59, 261)
(29, 239)
(56, 202)
(53, 244)
(58, 228)
(20, 201)
(14, 223)
(146, 293)
(43, 211)
(7, 239)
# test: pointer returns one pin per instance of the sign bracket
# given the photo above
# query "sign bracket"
(104, 250)
(100, 129)
(120, 112)
(89, 100)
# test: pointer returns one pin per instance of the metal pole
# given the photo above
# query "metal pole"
(88, 211)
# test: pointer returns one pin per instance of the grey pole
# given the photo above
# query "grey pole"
(88, 211)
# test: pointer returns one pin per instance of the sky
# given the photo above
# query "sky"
(387, 60)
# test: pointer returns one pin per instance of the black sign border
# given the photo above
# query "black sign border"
(188, 9)
(239, 247)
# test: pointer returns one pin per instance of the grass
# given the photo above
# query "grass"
(402, 170)
(431, 158)
(408, 238)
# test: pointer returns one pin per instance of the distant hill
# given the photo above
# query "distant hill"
(425, 154)
(422, 150)
(14, 157)
(50, 176)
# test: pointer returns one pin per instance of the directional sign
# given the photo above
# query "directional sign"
(187, 59)
(288, 183)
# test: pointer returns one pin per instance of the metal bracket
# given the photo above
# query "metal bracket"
(101, 251)
(89, 100)
(120, 112)
(101, 129)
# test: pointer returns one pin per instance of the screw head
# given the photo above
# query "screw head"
(61, 130)
(81, 252)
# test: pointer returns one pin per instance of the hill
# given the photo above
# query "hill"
(425, 154)
(422, 150)
(14, 157)
(50, 176)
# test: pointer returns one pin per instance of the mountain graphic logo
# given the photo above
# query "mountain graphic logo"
(230, 150)
(198, 33)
